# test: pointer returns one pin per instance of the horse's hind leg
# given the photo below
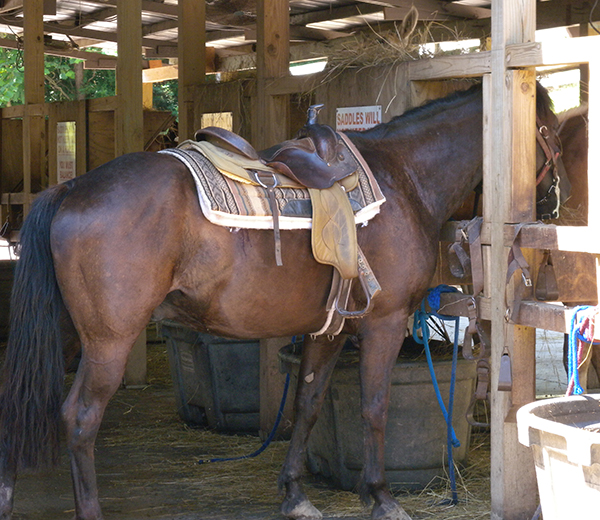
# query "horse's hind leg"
(318, 360)
(98, 377)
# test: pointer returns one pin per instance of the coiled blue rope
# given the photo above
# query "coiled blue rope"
(574, 335)
(420, 323)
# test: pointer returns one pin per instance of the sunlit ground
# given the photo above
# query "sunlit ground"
(6, 252)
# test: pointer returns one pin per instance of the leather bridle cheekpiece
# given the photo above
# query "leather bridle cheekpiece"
(550, 144)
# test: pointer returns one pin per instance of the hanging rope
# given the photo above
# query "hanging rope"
(581, 340)
(268, 440)
(271, 436)
(421, 323)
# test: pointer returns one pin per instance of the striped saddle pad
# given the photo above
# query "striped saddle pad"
(228, 199)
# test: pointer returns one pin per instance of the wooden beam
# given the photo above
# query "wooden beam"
(34, 125)
(81, 32)
(450, 67)
(148, 6)
(270, 122)
(71, 53)
(167, 72)
(435, 10)
(129, 130)
(562, 51)
(129, 114)
(299, 33)
(593, 139)
(534, 235)
(335, 13)
(192, 63)
(272, 61)
(513, 482)
(542, 315)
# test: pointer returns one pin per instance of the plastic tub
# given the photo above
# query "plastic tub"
(564, 435)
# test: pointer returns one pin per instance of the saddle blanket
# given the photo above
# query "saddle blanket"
(233, 203)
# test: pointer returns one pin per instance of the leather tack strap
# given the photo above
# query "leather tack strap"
(481, 392)
(269, 182)
(516, 261)
(473, 262)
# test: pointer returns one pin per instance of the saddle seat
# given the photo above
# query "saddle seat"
(316, 158)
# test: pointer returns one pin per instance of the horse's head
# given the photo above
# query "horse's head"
(553, 186)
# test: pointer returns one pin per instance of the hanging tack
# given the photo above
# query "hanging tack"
(505, 373)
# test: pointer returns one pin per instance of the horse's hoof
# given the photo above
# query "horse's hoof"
(389, 511)
(303, 510)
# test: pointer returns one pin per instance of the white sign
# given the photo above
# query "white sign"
(65, 150)
(357, 118)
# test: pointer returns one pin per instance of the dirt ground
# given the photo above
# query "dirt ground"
(147, 466)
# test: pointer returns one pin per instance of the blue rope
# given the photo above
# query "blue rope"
(420, 322)
(271, 436)
(268, 440)
(574, 335)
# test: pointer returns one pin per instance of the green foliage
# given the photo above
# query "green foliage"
(59, 79)
(98, 83)
(11, 78)
(62, 84)
(165, 96)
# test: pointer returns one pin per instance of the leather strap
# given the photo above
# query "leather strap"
(269, 182)
(517, 261)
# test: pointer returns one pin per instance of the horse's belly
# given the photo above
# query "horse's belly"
(262, 307)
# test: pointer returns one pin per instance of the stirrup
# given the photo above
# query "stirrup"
(356, 314)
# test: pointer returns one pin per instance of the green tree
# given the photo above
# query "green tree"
(61, 82)
(165, 96)
(11, 74)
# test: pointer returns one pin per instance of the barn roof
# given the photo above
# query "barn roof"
(72, 26)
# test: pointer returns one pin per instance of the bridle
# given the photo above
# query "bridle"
(550, 144)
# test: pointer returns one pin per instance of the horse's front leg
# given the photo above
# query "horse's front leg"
(8, 476)
(379, 347)
(318, 360)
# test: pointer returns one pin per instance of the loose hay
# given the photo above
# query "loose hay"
(146, 421)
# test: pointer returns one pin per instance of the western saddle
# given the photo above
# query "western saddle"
(321, 160)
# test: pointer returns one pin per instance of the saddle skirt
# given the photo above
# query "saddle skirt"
(230, 196)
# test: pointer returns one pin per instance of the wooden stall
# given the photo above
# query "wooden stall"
(508, 72)
(257, 100)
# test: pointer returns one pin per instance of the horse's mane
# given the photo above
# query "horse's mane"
(420, 113)
(431, 108)
(543, 101)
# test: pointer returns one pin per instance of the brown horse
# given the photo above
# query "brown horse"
(553, 187)
(126, 243)
(573, 133)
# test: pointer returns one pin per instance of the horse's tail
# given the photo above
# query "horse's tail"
(33, 376)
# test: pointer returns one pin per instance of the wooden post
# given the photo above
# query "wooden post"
(272, 113)
(192, 63)
(270, 125)
(129, 128)
(129, 115)
(34, 123)
(593, 137)
(508, 115)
